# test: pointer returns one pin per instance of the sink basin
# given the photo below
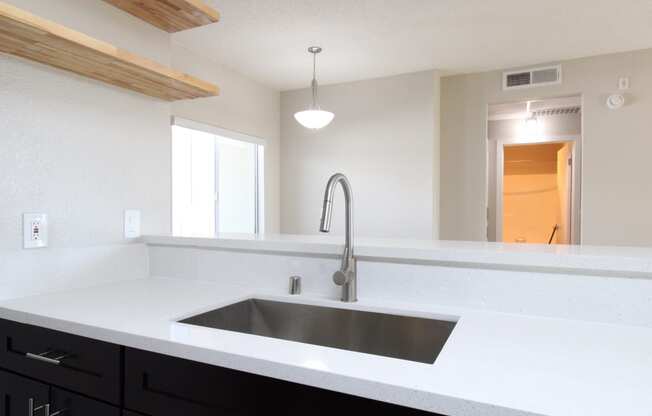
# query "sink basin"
(403, 337)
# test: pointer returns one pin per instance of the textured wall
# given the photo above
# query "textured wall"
(83, 151)
(80, 151)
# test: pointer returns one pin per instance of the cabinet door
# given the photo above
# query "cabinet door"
(130, 413)
(71, 404)
(19, 395)
(159, 385)
(305, 400)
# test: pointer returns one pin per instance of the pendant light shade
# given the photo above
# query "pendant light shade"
(314, 117)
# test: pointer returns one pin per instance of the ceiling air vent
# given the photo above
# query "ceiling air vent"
(534, 77)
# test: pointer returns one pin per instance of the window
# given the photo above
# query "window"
(217, 181)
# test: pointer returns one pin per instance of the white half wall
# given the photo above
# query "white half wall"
(519, 290)
(385, 138)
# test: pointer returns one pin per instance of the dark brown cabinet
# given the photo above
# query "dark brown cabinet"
(76, 363)
(78, 376)
(71, 404)
(20, 394)
(159, 385)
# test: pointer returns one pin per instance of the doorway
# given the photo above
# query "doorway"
(537, 190)
(534, 154)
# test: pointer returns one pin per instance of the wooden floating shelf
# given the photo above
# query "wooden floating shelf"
(170, 15)
(31, 37)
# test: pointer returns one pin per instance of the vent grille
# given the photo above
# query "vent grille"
(521, 78)
(534, 77)
(557, 111)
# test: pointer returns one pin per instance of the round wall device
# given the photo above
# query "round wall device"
(615, 101)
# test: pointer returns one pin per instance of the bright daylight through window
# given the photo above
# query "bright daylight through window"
(217, 181)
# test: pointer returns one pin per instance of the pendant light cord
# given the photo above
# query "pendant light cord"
(314, 81)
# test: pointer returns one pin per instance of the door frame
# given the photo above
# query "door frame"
(576, 180)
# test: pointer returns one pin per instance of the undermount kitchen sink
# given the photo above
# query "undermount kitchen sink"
(403, 337)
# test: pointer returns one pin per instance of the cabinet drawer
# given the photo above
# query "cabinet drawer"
(75, 405)
(80, 364)
(160, 385)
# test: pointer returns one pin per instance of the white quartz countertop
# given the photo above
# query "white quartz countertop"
(493, 363)
(603, 260)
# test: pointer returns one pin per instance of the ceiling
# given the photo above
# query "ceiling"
(266, 40)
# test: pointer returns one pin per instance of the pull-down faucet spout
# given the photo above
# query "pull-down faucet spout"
(346, 276)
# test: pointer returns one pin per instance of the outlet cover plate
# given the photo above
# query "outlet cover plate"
(132, 223)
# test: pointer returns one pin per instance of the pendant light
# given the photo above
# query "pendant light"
(314, 117)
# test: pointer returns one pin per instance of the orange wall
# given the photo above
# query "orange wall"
(530, 207)
(530, 198)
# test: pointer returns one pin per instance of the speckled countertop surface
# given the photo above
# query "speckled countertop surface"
(493, 363)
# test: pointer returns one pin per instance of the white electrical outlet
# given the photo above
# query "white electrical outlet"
(35, 230)
(132, 223)
(623, 83)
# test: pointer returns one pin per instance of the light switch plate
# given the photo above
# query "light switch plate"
(132, 223)
(35, 230)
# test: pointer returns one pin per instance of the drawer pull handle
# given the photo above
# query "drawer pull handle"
(31, 409)
(57, 413)
(46, 407)
(45, 357)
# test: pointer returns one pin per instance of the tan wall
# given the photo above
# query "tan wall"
(384, 137)
(616, 148)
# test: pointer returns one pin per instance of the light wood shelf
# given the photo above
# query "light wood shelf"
(170, 15)
(31, 37)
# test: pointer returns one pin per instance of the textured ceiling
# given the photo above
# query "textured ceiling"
(266, 40)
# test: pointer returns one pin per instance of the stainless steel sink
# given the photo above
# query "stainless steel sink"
(404, 337)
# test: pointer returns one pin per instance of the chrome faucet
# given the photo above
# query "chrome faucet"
(346, 275)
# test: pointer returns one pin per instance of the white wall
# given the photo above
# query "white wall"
(384, 138)
(83, 151)
(616, 148)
